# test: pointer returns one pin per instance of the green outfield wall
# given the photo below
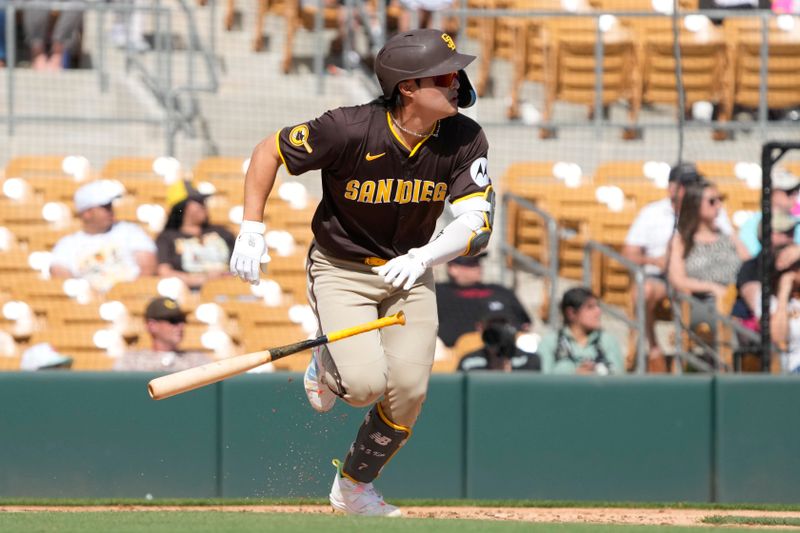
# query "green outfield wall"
(485, 436)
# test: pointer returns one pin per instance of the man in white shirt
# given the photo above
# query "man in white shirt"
(104, 252)
(646, 245)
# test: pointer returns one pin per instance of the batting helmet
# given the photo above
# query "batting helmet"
(419, 54)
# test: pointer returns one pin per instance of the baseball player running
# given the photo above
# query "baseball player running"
(387, 168)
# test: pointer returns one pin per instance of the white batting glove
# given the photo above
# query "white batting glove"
(408, 268)
(249, 252)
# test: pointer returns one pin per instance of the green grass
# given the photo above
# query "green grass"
(752, 520)
(244, 522)
(545, 504)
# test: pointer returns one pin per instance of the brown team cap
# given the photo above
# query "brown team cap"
(162, 308)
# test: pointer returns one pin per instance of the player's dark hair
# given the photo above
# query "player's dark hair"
(574, 299)
(392, 103)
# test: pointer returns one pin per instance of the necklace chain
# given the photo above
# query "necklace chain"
(414, 133)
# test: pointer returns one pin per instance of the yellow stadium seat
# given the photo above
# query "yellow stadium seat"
(34, 165)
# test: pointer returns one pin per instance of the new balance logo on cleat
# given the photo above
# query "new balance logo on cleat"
(381, 440)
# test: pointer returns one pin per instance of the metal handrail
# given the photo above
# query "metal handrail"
(637, 274)
(549, 271)
(739, 330)
(178, 113)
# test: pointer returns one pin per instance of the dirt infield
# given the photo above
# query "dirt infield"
(664, 517)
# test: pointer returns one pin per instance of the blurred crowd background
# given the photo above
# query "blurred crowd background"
(139, 117)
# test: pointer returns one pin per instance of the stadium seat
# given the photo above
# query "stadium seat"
(21, 215)
(496, 37)
(703, 63)
(292, 265)
(720, 172)
(527, 45)
(620, 173)
(743, 78)
(78, 342)
(135, 294)
(570, 71)
(35, 166)
(14, 262)
(294, 286)
(228, 289)
(261, 336)
(54, 188)
(9, 363)
(224, 169)
(120, 168)
(42, 294)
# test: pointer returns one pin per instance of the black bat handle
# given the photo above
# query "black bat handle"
(282, 351)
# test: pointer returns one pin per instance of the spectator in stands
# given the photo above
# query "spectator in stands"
(785, 319)
(704, 260)
(105, 251)
(64, 41)
(646, 245)
(42, 356)
(784, 197)
(189, 247)
(165, 323)
(580, 346)
(499, 351)
(465, 300)
(748, 280)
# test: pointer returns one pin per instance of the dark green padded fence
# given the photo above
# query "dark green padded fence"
(702, 439)
(758, 439)
(553, 437)
(99, 435)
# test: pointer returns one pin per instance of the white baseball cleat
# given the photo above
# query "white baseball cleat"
(352, 497)
(319, 395)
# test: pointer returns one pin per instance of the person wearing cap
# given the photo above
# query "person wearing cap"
(165, 322)
(190, 247)
(646, 245)
(784, 197)
(104, 251)
(43, 356)
(464, 300)
(387, 169)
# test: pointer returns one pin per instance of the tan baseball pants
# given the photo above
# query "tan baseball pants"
(393, 362)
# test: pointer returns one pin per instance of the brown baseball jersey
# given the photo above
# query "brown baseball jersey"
(381, 197)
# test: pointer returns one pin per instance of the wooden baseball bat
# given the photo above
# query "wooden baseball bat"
(200, 376)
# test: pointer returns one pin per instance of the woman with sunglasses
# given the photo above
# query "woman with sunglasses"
(387, 169)
(703, 260)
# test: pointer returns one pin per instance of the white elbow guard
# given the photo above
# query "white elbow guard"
(477, 213)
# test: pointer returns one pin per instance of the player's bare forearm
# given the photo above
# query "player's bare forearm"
(260, 178)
